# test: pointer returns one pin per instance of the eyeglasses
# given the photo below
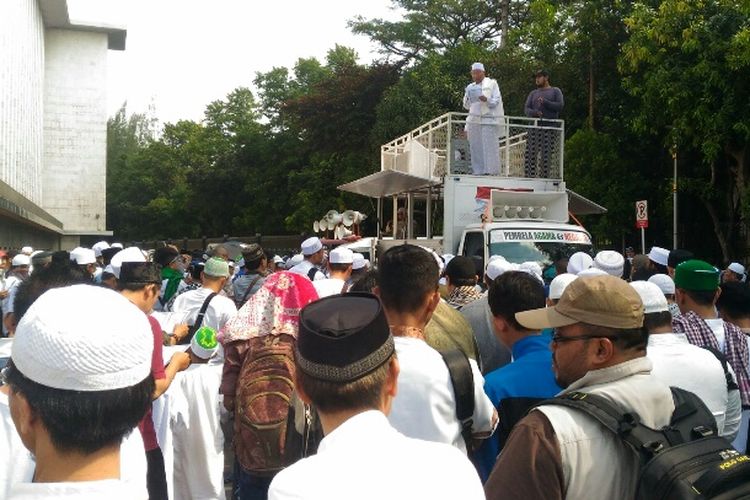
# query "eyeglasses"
(559, 339)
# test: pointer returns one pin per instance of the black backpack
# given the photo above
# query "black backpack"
(682, 461)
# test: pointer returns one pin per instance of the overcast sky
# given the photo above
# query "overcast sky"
(183, 54)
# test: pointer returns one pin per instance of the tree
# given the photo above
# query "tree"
(685, 62)
(434, 25)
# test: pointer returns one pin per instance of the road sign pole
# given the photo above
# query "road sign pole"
(643, 240)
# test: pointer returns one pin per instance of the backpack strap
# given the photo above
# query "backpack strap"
(731, 384)
(312, 272)
(249, 288)
(462, 381)
(627, 426)
(199, 319)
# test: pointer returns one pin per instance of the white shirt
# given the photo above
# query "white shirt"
(304, 267)
(365, 458)
(17, 464)
(717, 326)
(11, 285)
(220, 310)
(425, 406)
(329, 286)
(198, 440)
(108, 489)
(678, 363)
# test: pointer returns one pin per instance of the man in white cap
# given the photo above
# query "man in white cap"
(278, 263)
(313, 254)
(75, 393)
(195, 423)
(734, 272)
(27, 250)
(484, 125)
(610, 262)
(557, 286)
(492, 353)
(19, 271)
(666, 285)
(578, 262)
(658, 260)
(678, 363)
(215, 308)
(340, 262)
(85, 259)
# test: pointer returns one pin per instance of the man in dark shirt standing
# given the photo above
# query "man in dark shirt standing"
(544, 102)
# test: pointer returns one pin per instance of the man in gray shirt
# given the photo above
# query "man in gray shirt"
(541, 144)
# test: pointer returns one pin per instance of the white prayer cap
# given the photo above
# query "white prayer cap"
(611, 262)
(204, 343)
(27, 250)
(736, 268)
(116, 245)
(130, 254)
(477, 66)
(360, 262)
(497, 267)
(99, 246)
(311, 246)
(83, 256)
(659, 255)
(109, 269)
(59, 341)
(578, 262)
(21, 260)
(496, 257)
(558, 285)
(341, 256)
(592, 271)
(447, 257)
(652, 297)
(664, 282)
(533, 268)
(277, 260)
(294, 260)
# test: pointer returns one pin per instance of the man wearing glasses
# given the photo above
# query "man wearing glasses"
(598, 347)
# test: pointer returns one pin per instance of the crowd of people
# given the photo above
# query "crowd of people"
(333, 377)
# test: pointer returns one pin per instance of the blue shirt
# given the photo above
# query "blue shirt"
(515, 388)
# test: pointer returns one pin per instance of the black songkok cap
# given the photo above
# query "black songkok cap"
(140, 272)
(461, 269)
(678, 256)
(343, 337)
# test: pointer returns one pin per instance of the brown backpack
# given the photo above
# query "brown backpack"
(264, 394)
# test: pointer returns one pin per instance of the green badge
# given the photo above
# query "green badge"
(206, 337)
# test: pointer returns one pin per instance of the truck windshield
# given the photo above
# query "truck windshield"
(543, 252)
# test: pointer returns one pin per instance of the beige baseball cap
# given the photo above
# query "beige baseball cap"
(598, 300)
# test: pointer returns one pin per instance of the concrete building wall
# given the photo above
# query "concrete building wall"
(75, 129)
(21, 102)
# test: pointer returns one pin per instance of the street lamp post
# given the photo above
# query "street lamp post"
(674, 198)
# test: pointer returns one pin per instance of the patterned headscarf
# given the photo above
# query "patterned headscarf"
(274, 309)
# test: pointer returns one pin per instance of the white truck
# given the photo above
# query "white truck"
(427, 175)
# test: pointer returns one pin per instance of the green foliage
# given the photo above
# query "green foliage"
(638, 77)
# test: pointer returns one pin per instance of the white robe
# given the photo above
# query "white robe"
(484, 126)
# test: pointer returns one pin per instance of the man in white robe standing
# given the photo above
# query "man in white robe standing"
(484, 125)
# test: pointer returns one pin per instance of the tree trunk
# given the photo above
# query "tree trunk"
(720, 236)
(738, 200)
(504, 15)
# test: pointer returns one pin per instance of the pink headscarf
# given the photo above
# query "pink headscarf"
(274, 309)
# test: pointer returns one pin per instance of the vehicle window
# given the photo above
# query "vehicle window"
(545, 253)
(474, 244)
